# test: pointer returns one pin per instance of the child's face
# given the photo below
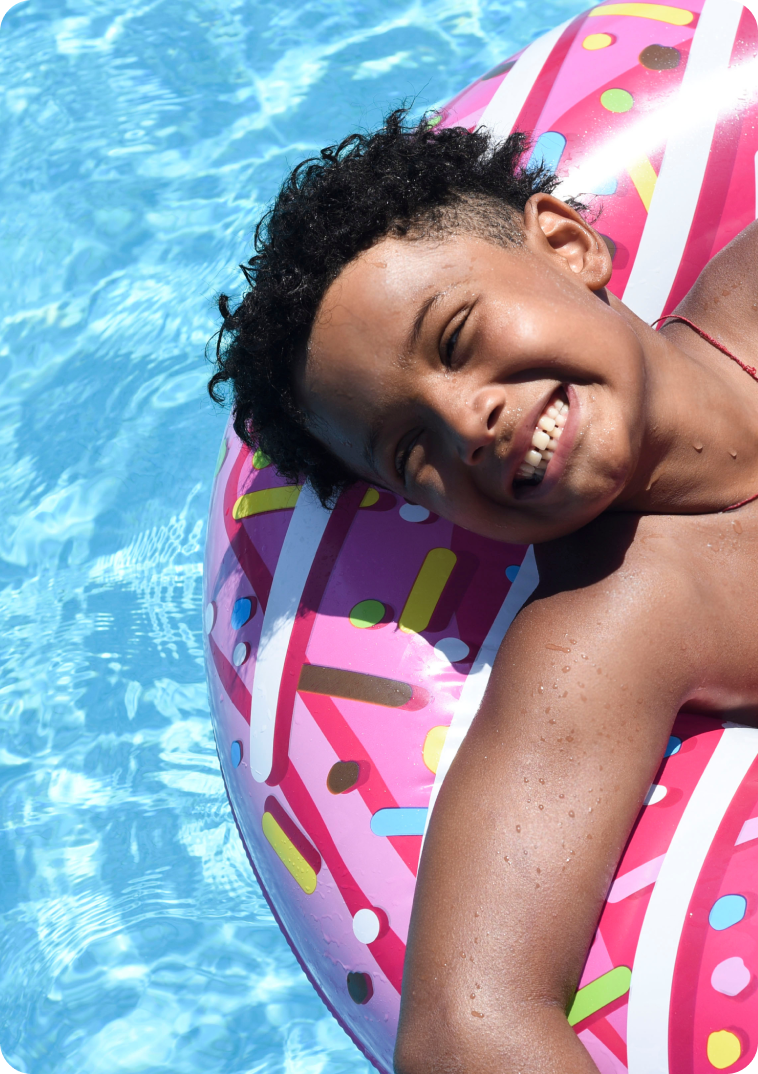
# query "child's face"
(431, 363)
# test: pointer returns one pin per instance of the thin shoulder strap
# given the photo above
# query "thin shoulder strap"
(750, 369)
(719, 347)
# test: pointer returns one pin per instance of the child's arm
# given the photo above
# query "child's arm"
(531, 823)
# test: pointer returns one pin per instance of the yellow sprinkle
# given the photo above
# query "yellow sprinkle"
(371, 497)
(260, 461)
(427, 590)
(596, 41)
(677, 16)
(433, 743)
(256, 503)
(724, 1048)
(289, 855)
(642, 174)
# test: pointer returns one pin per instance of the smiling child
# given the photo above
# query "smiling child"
(426, 316)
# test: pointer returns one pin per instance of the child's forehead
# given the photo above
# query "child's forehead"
(395, 274)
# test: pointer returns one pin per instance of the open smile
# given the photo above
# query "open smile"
(545, 438)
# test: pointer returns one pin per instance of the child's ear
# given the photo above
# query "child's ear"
(556, 230)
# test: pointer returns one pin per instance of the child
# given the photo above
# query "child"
(425, 316)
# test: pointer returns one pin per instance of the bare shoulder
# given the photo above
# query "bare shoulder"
(612, 616)
(724, 298)
(623, 570)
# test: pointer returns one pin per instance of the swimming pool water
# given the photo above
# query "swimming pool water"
(139, 143)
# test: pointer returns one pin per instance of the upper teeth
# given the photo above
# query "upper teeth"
(544, 440)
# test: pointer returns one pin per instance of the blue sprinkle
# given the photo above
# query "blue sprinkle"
(511, 573)
(727, 911)
(241, 612)
(236, 752)
(675, 744)
(606, 186)
(405, 820)
(547, 152)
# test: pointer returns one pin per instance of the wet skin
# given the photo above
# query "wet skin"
(649, 595)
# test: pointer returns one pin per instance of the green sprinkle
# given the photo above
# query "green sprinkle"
(367, 614)
(617, 100)
(221, 457)
(599, 993)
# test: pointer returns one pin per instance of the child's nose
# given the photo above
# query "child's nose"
(475, 422)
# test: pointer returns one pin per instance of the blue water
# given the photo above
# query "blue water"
(139, 143)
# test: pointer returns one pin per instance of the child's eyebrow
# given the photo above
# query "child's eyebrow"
(418, 321)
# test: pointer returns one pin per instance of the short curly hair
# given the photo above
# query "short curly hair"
(404, 181)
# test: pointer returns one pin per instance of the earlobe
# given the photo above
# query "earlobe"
(556, 230)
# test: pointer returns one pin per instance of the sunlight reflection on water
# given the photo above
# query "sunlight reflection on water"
(140, 143)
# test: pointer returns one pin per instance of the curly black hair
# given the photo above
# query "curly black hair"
(401, 181)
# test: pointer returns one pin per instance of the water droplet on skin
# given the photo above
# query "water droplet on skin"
(518, 827)
(733, 454)
(571, 812)
(567, 668)
(542, 782)
(698, 446)
(737, 526)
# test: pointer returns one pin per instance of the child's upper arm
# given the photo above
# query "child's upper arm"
(529, 827)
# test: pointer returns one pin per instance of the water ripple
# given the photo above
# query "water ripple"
(140, 142)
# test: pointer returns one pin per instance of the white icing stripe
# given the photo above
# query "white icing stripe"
(300, 546)
(653, 970)
(510, 97)
(689, 125)
(477, 679)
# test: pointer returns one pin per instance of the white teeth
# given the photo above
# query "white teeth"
(544, 442)
(533, 457)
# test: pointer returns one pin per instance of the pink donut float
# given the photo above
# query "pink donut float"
(347, 652)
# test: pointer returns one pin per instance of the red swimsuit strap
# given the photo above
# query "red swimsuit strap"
(749, 369)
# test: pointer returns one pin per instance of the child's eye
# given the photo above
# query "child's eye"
(449, 353)
(403, 455)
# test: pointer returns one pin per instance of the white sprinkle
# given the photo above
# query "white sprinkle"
(366, 926)
(411, 512)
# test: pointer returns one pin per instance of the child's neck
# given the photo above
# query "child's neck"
(701, 436)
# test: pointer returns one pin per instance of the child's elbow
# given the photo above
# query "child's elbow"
(437, 1045)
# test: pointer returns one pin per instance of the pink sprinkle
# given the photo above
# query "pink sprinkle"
(731, 976)
(635, 879)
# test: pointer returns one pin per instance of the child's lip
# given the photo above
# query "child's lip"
(522, 440)
(557, 465)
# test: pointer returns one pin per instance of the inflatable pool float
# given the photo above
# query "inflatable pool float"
(347, 651)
